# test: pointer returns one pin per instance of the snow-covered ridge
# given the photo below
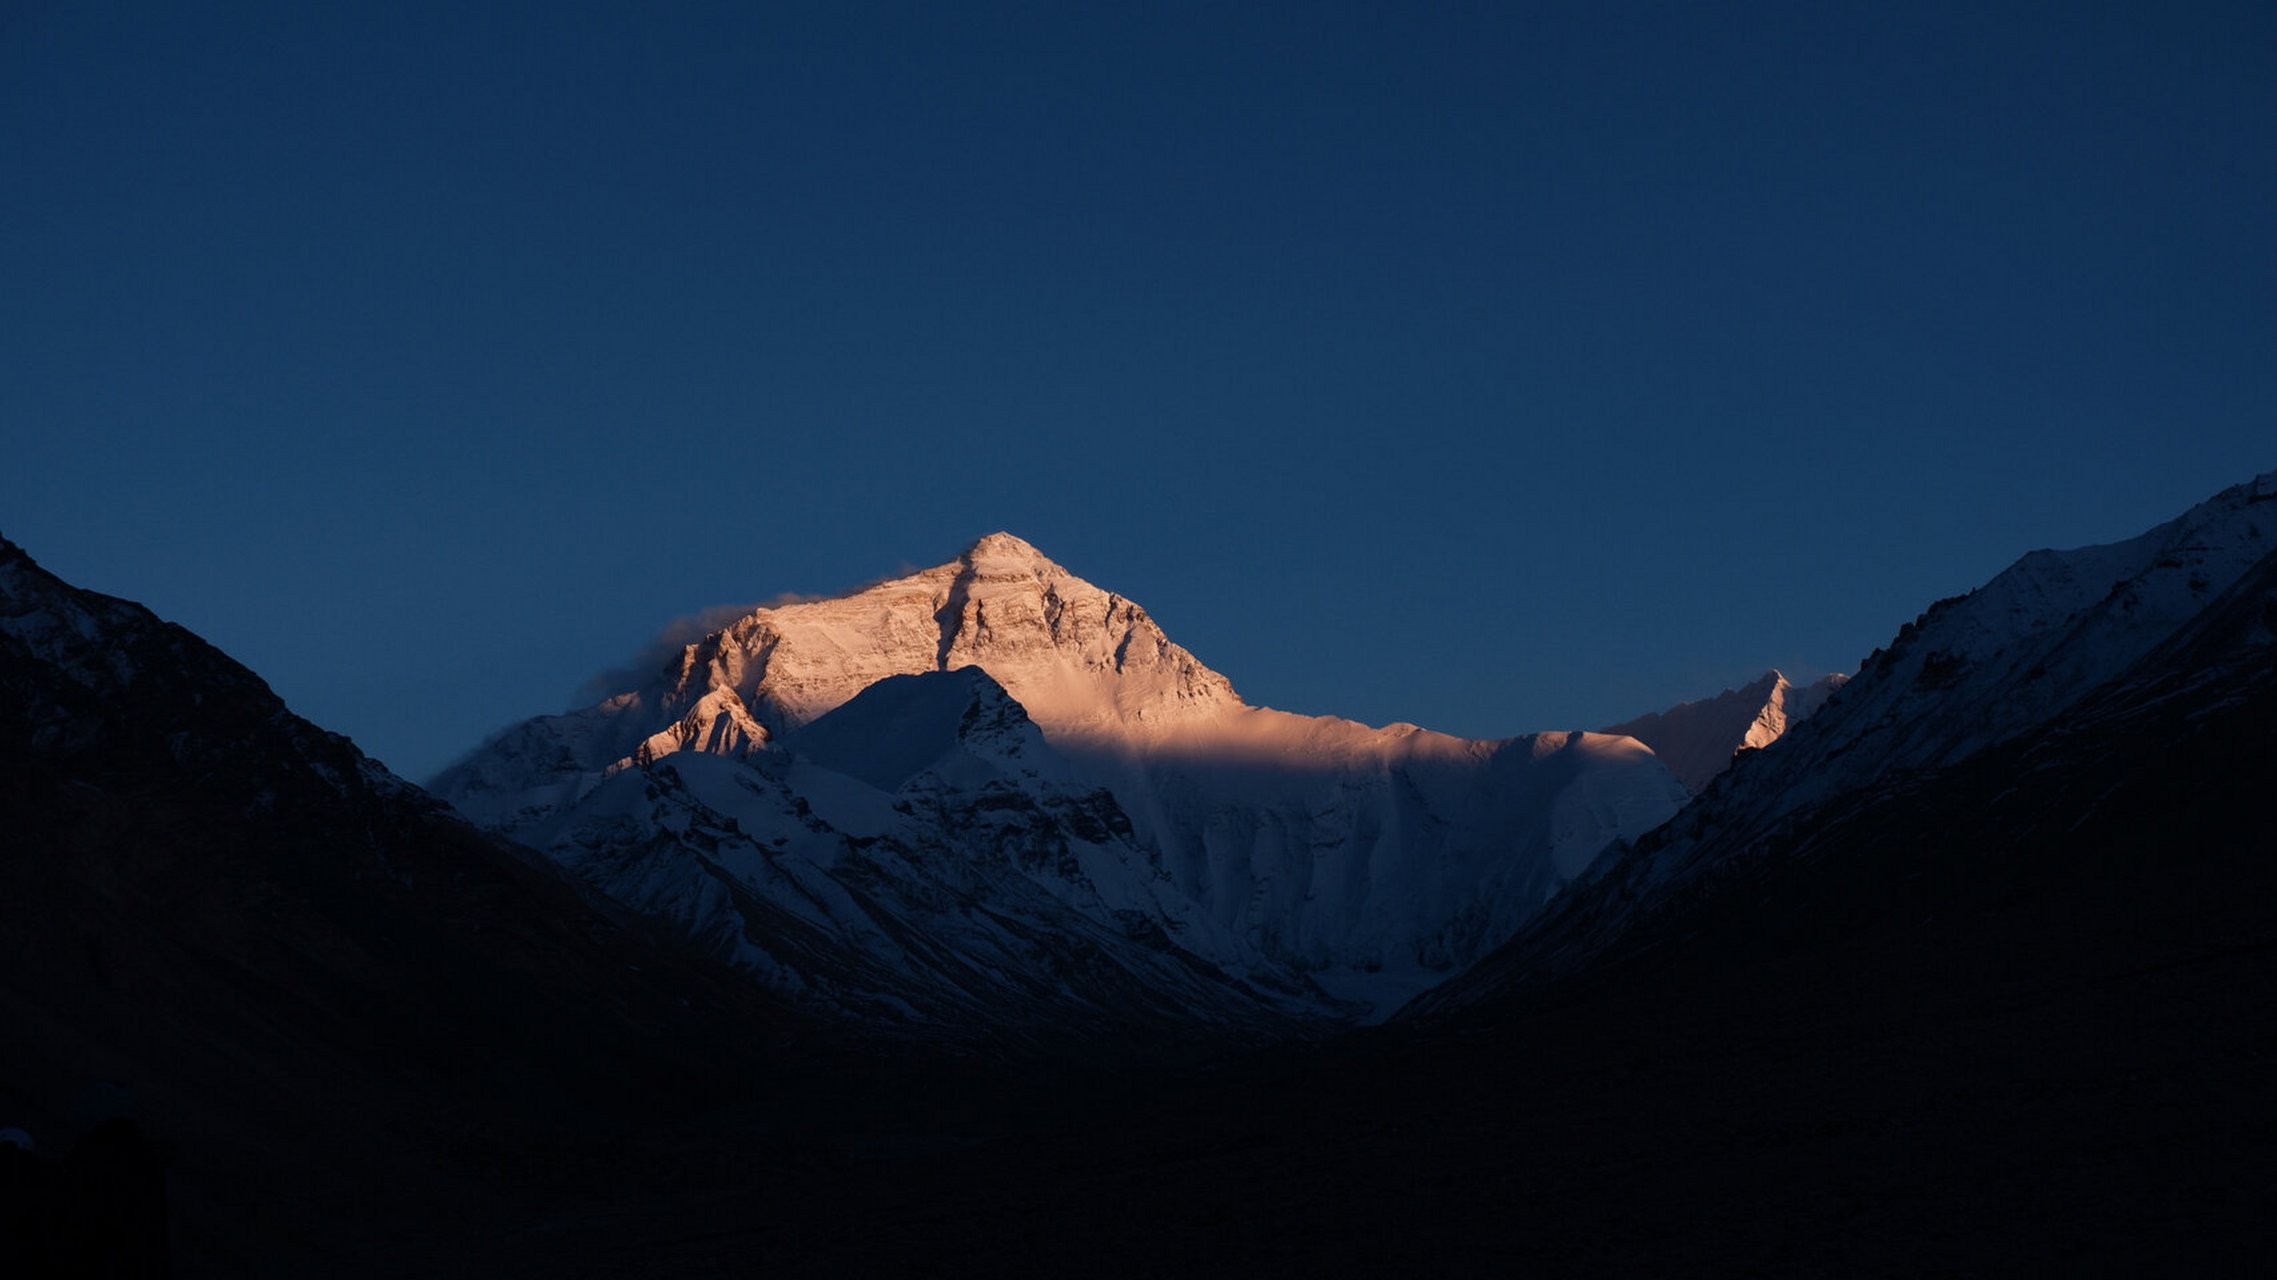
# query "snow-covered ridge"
(1981, 668)
(2037, 642)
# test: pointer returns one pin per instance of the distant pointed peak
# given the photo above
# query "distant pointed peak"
(1826, 679)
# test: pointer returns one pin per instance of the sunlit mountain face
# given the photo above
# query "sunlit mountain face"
(828, 763)
(969, 917)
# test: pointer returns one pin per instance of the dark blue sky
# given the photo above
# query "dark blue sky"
(1498, 367)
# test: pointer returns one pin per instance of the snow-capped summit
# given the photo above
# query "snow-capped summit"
(1697, 740)
(1078, 658)
(1004, 556)
(1085, 663)
(1374, 860)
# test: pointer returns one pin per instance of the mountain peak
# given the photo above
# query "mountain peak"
(1081, 661)
(1002, 554)
(1001, 543)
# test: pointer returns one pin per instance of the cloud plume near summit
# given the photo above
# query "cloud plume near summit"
(687, 629)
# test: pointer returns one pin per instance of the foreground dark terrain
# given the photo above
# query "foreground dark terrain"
(346, 1019)
(2018, 1014)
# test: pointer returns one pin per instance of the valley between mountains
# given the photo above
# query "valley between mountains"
(967, 922)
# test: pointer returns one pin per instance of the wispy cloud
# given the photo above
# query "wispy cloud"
(665, 648)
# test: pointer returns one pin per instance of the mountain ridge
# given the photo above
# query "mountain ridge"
(1374, 860)
(1931, 941)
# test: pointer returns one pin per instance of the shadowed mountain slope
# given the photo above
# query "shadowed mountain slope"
(352, 1020)
(2058, 641)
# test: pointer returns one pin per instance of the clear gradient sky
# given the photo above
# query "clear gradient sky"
(1495, 367)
